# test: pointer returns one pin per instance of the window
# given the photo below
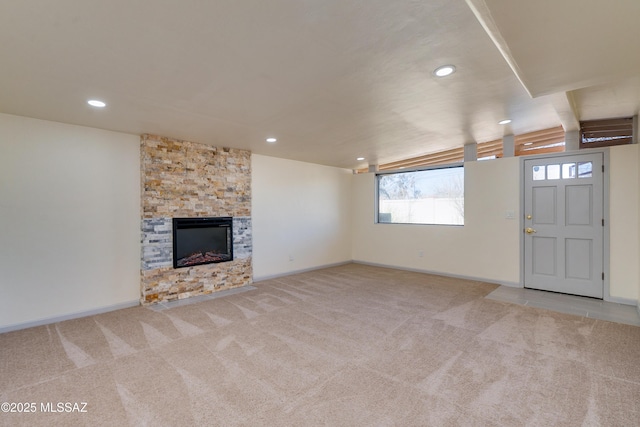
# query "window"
(545, 141)
(490, 150)
(438, 158)
(607, 132)
(431, 196)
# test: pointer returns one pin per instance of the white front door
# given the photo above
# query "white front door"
(564, 224)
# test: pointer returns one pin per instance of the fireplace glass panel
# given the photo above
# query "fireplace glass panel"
(199, 241)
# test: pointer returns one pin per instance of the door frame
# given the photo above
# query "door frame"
(606, 249)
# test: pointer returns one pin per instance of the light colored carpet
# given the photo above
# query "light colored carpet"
(352, 345)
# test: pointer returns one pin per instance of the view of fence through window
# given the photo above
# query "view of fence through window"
(434, 196)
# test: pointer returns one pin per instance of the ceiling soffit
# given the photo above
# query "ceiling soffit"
(559, 46)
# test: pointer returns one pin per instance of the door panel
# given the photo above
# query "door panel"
(544, 255)
(564, 235)
(544, 205)
(578, 255)
(578, 205)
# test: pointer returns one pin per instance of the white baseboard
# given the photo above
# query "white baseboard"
(304, 270)
(56, 319)
(440, 273)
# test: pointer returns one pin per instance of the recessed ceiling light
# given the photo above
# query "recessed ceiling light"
(444, 71)
(272, 140)
(504, 122)
(360, 158)
(96, 103)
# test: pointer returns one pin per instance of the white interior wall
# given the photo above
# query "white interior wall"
(486, 247)
(300, 216)
(70, 228)
(624, 203)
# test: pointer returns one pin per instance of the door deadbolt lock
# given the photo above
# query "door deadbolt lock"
(528, 216)
(529, 230)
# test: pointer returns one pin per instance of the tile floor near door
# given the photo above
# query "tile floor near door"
(569, 304)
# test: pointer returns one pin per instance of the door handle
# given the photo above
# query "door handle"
(529, 230)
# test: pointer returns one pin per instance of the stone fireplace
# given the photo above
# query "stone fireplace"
(182, 179)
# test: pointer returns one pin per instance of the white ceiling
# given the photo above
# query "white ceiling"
(331, 79)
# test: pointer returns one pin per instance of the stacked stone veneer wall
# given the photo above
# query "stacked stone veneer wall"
(186, 179)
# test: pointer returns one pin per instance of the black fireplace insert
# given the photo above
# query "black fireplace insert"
(202, 241)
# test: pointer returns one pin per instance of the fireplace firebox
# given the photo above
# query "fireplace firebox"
(199, 241)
